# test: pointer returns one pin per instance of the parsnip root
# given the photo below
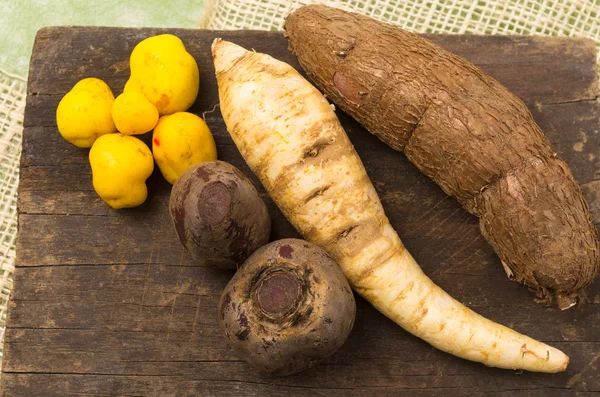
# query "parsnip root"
(292, 140)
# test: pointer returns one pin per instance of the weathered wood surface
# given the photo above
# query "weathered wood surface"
(108, 303)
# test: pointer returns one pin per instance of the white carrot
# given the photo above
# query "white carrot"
(292, 140)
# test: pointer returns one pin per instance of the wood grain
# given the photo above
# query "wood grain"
(108, 303)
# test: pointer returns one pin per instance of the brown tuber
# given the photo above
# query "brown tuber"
(465, 131)
(287, 307)
(219, 216)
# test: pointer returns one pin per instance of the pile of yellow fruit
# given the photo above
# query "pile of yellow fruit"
(164, 83)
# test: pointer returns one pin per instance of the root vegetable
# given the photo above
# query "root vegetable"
(179, 141)
(219, 216)
(464, 130)
(133, 114)
(83, 114)
(287, 307)
(163, 70)
(292, 140)
(120, 166)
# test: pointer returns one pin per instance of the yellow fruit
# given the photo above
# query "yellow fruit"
(120, 166)
(165, 73)
(84, 113)
(180, 141)
(133, 114)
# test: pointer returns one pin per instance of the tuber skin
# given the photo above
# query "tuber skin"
(287, 307)
(306, 162)
(219, 216)
(464, 130)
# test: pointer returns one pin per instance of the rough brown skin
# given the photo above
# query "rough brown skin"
(219, 216)
(287, 307)
(464, 130)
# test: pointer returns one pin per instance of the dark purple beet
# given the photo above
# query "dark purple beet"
(219, 216)
(287, 307)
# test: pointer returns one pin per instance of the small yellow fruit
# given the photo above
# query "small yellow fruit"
(84, 113)
(120, 166)
(133, 114)
(165, 73)
(180, 141)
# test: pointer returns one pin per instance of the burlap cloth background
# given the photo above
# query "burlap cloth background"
(526, 17)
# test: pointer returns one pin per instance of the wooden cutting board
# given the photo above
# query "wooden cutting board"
(108, 303)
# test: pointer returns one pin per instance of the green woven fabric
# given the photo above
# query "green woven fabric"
(20, 20)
